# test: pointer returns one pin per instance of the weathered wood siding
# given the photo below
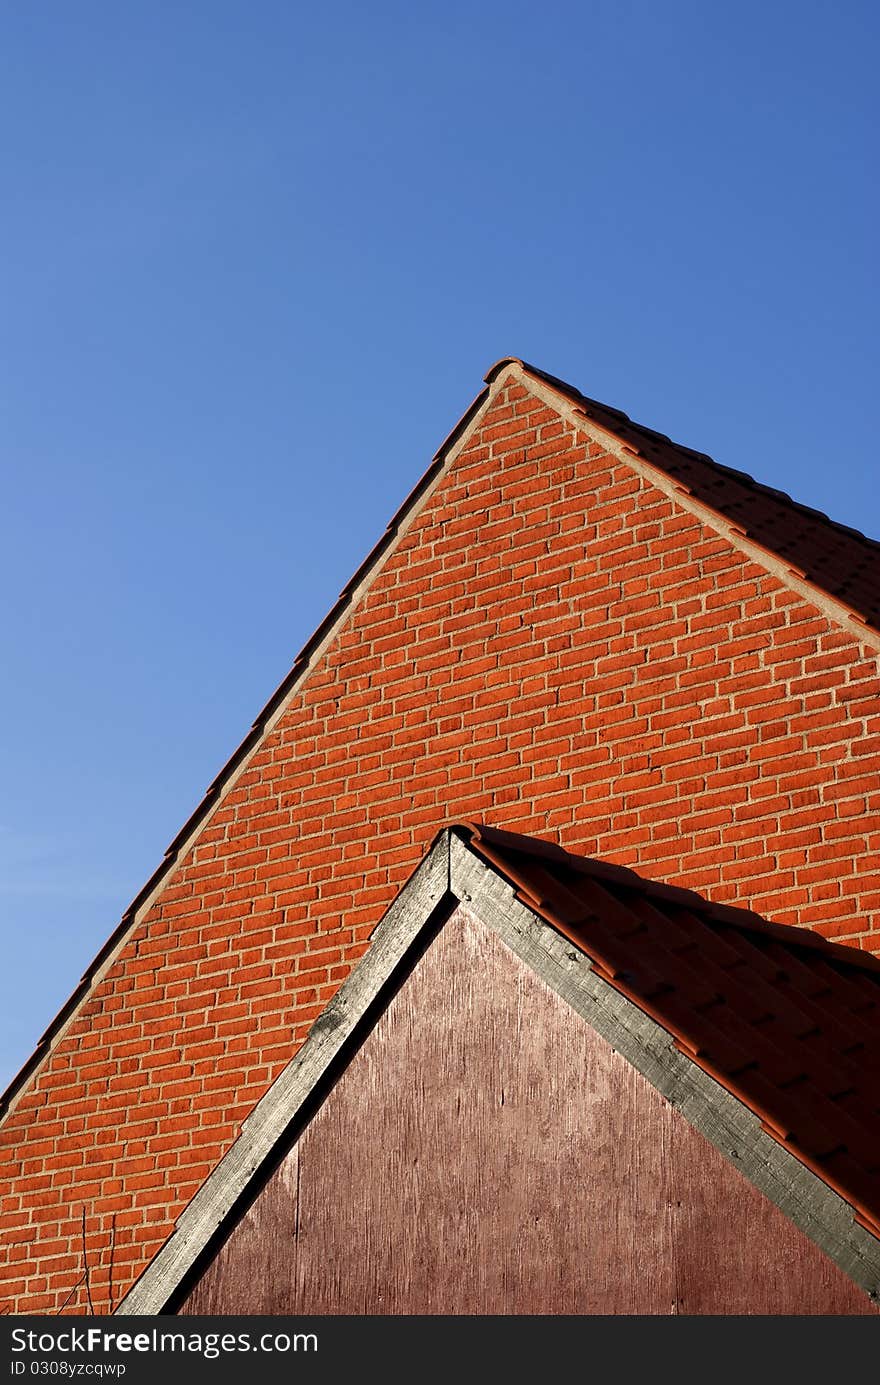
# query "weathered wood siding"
(487, 1152)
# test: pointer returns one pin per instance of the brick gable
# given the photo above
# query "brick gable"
(553, 644)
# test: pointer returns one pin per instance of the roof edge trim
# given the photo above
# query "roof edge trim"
(576, 408)
(482, 838)
(453, 872)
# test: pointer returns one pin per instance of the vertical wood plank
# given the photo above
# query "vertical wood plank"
(487, 1152)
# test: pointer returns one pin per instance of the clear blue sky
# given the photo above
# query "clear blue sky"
(254, 261)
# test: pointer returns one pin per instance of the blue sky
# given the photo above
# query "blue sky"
(254, 261)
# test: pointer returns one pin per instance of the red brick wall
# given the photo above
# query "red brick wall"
(555, 647)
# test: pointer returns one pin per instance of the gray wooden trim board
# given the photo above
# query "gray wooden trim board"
(450, 874)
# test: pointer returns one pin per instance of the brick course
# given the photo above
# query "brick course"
(553, 645)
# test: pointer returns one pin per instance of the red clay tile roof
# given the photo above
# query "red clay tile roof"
(841, 561)
(787, 1022)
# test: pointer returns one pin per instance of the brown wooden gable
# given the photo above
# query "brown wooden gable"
(486, 1151)
(482, 1121)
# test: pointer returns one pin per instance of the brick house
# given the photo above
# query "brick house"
(573, 630)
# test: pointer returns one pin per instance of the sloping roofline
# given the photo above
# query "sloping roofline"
(459, 869)
(831, 564)
(630, 443)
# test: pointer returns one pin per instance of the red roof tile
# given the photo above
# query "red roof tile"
(841, 561)
(786, 1021)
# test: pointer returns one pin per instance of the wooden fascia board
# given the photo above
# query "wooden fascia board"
(453, 874)
(719, 1116)
(393, 942)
